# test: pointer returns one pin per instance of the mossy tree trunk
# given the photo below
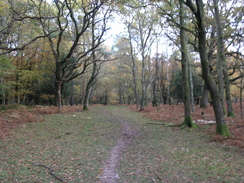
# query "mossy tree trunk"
(185, 76)
(198, 11)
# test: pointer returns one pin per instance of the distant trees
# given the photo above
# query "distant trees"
(64, 27)
(6, 71)
(56, 50)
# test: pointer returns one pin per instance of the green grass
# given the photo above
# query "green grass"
(73, 146)
(76, 146)
(171, 154)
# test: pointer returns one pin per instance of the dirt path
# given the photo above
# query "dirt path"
(127, 134)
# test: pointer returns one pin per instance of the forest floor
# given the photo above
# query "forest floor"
(110, 144)
(204, 118)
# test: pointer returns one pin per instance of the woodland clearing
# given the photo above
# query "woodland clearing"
(114, 144)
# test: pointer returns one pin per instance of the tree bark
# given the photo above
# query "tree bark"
(72, 98)
(185, 76)
(204, 98)
(155, 100)
(3, 91)
(94, 66)
(191, 85)
(133, 67)
(221, 126)
(205, 91)
(241, 105)
(222, 61)
(59, 95)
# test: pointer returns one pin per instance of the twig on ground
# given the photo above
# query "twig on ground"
(156, 123)
(50, 171)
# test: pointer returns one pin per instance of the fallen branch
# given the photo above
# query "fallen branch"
(156, 123)
(166, 124)
(50, 171)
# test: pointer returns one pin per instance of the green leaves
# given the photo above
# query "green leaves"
(5, 66)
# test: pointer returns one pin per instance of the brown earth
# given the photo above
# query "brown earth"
(127, 134)
(170, 114)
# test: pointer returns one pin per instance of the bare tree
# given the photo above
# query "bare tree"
(71, 52)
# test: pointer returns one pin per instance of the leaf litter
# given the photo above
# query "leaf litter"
(79, 149)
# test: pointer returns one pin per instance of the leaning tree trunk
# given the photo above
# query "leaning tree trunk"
(205, 91)
(221, 126)
(89, 84)
(185, 76)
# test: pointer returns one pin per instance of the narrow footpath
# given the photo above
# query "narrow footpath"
(127, 135)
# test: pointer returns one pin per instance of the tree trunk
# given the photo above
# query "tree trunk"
(221, 127)
(204, 98)
(191, 86)
(71, 100)
(167, 83)
(94, 68)
(133, 67)
(185, 76)
(88, 86)
(3, 92)
(59, 96)
(205, 91)
(241, 105)
(219, 60)
(222, 60)
(120, 94)
(155, 100)
(143, 86)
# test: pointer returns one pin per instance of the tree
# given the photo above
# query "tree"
(19, 27)
(221, 58)
(71, 52)
(133, 68)
(185, 75)
(6, 69)
(95, 64)
(143, 27)
(198, 11)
